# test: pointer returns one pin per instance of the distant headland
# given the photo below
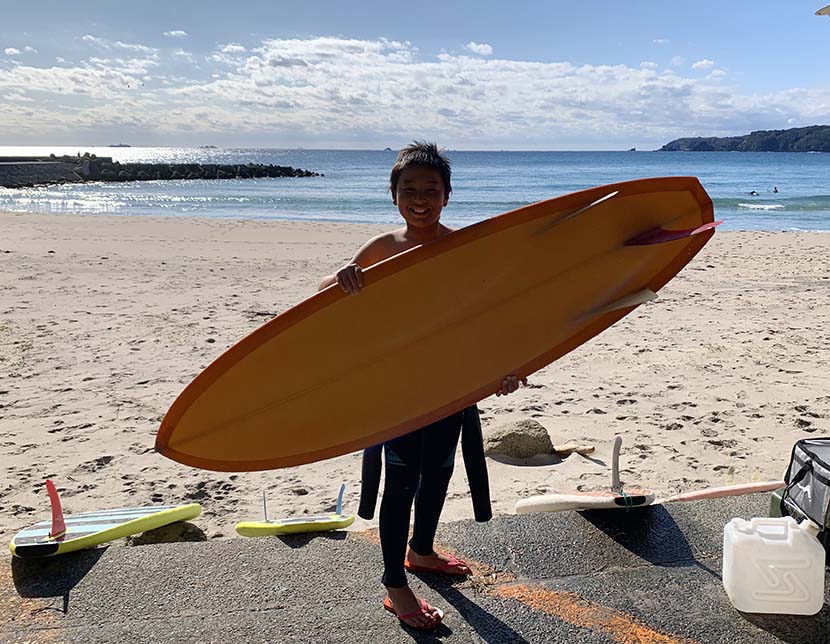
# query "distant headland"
(815, 138)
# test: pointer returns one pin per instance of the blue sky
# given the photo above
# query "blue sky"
(518, 75)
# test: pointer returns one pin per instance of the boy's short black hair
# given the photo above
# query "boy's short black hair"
(422, 153)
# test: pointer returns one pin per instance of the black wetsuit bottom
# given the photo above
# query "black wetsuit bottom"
(418, 468)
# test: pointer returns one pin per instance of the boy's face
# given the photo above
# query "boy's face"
(420, 195)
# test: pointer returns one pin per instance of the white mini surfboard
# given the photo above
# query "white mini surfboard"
(89, 529)
(616, 497)
(720, 492)
(297, 525)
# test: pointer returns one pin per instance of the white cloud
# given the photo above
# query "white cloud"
(481, 49)
(176, 33)
(60, 59)
(678, 61)
(185, 55)
(661, 41)
(703, 64)
(117, 44)
(29, 49)
(342, 91)
(11, 51)
(233, 48)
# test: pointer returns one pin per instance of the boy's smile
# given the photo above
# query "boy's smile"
(420, 196)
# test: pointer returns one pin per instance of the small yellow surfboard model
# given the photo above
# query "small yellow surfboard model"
(297, 525)
(89, 529)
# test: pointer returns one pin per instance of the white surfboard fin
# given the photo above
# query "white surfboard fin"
(616, 486)
(264, 507)
(593, 204)
(58, 524)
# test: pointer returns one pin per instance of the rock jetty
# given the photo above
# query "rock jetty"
(24, 172)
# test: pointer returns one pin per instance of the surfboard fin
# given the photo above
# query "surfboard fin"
(578, 212)
(616, 484)
(635, 299)
(660, 235)
(58, 524)
(339, 509)
(264, 507)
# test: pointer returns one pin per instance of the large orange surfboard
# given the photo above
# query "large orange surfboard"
(436, 329)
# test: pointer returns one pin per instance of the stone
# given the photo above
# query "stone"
(521, 439)
(171, 533)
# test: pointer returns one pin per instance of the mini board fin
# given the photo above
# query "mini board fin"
(617, 497)
(297, 525)
(58, 522)
(62, 534)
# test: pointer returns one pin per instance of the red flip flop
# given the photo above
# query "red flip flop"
(453, 567)
(426, 611)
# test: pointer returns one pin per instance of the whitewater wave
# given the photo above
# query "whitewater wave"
(762, 206)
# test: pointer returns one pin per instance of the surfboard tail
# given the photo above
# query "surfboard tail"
(58, 523)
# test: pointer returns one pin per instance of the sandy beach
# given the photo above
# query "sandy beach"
(104, 319)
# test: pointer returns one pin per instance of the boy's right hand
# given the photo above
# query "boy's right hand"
(350, 278)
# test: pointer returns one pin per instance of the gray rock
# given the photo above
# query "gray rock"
(520, 439)
(171, 533)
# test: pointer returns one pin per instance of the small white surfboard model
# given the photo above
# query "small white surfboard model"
(720, 492)
(616, 497)
(297, 525)
(89, 529)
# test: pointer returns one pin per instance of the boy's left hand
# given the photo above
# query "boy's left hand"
(510, 384)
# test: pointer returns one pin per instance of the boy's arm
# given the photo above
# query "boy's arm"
(350, 276)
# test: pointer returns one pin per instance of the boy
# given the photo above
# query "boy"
(419, 464)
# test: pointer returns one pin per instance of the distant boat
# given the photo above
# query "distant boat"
(119, 145)
(208, 147)
(632, 149)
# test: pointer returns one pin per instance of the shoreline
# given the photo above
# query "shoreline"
(107, 317)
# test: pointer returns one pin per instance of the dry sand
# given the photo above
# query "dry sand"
(104, 319)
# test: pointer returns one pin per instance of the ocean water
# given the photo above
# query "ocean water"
(354, 188)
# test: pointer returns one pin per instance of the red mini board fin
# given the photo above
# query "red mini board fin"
(660, 235)
(58, 524)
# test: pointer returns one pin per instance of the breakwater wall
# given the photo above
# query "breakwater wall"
(24, 172)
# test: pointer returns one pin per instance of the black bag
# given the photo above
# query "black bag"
(808, 485)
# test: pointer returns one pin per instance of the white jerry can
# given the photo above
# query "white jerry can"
(773, 565)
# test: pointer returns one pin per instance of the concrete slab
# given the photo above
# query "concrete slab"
(643, 576)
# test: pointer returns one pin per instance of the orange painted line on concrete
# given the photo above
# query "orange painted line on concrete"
(372, 535)
(576, 610)
(566, 606)
(26, 618)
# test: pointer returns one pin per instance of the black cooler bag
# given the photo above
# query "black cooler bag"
(807, 493)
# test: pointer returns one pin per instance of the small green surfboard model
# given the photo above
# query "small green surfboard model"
(297, 525)
(89, 529)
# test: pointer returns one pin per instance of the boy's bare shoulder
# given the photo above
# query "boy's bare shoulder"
(380, 247)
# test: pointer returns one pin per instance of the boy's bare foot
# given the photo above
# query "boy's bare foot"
(411, 610)
(436, 562)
